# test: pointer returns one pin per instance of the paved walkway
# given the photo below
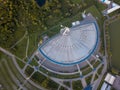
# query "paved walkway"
(54, 79)
(17, 66)
(83, 81)
(19, 40)
(101, 75)
(105, 61)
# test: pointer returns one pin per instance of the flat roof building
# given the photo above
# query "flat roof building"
(113, 5)
(110, 79)
(104, 86)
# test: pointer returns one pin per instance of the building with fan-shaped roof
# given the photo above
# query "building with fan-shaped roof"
(72, 45)
(73, 51)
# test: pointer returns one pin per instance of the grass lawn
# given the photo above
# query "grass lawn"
(94, 11)
(77, 85)
(114, 31)
(44, 81)
(67, 83)
(36, 78)
(65, 22)
(96, 77)
(20, 63)
(88, 79)
(58, 75)
(10, 76)
(29, 70)
(76, 1)
(87, 70)
(5, 79)
(34, 62)
(62, 88)
(101, 6)
(96, 64)
(20, 48)
(100, 70)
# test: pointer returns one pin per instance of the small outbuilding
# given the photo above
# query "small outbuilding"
(110, 79)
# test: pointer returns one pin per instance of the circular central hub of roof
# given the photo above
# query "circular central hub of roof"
(65, 31)
(72, 48)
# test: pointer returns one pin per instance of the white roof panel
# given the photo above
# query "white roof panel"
(73, 47)
(104, 86)
(109, 79)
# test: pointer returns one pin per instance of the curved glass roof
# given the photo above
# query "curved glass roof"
(73, 45)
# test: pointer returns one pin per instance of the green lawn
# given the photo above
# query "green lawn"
(10, 76)
(100, 70)
(58, 75)
(76, 1)
(20, 63)
(88, 79)
(96, 64)
(20, 48)
(114, 31)
(44, 81)
(77, 85)
(62, 88)
(117, 1)
(34, 62)
(97, 14)
(87, 70)
(5, 79)
(29, 70)
(67, 83)
(94, 12)
(100, 20)
(96, 77)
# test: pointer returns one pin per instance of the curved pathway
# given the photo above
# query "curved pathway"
(17, 66)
